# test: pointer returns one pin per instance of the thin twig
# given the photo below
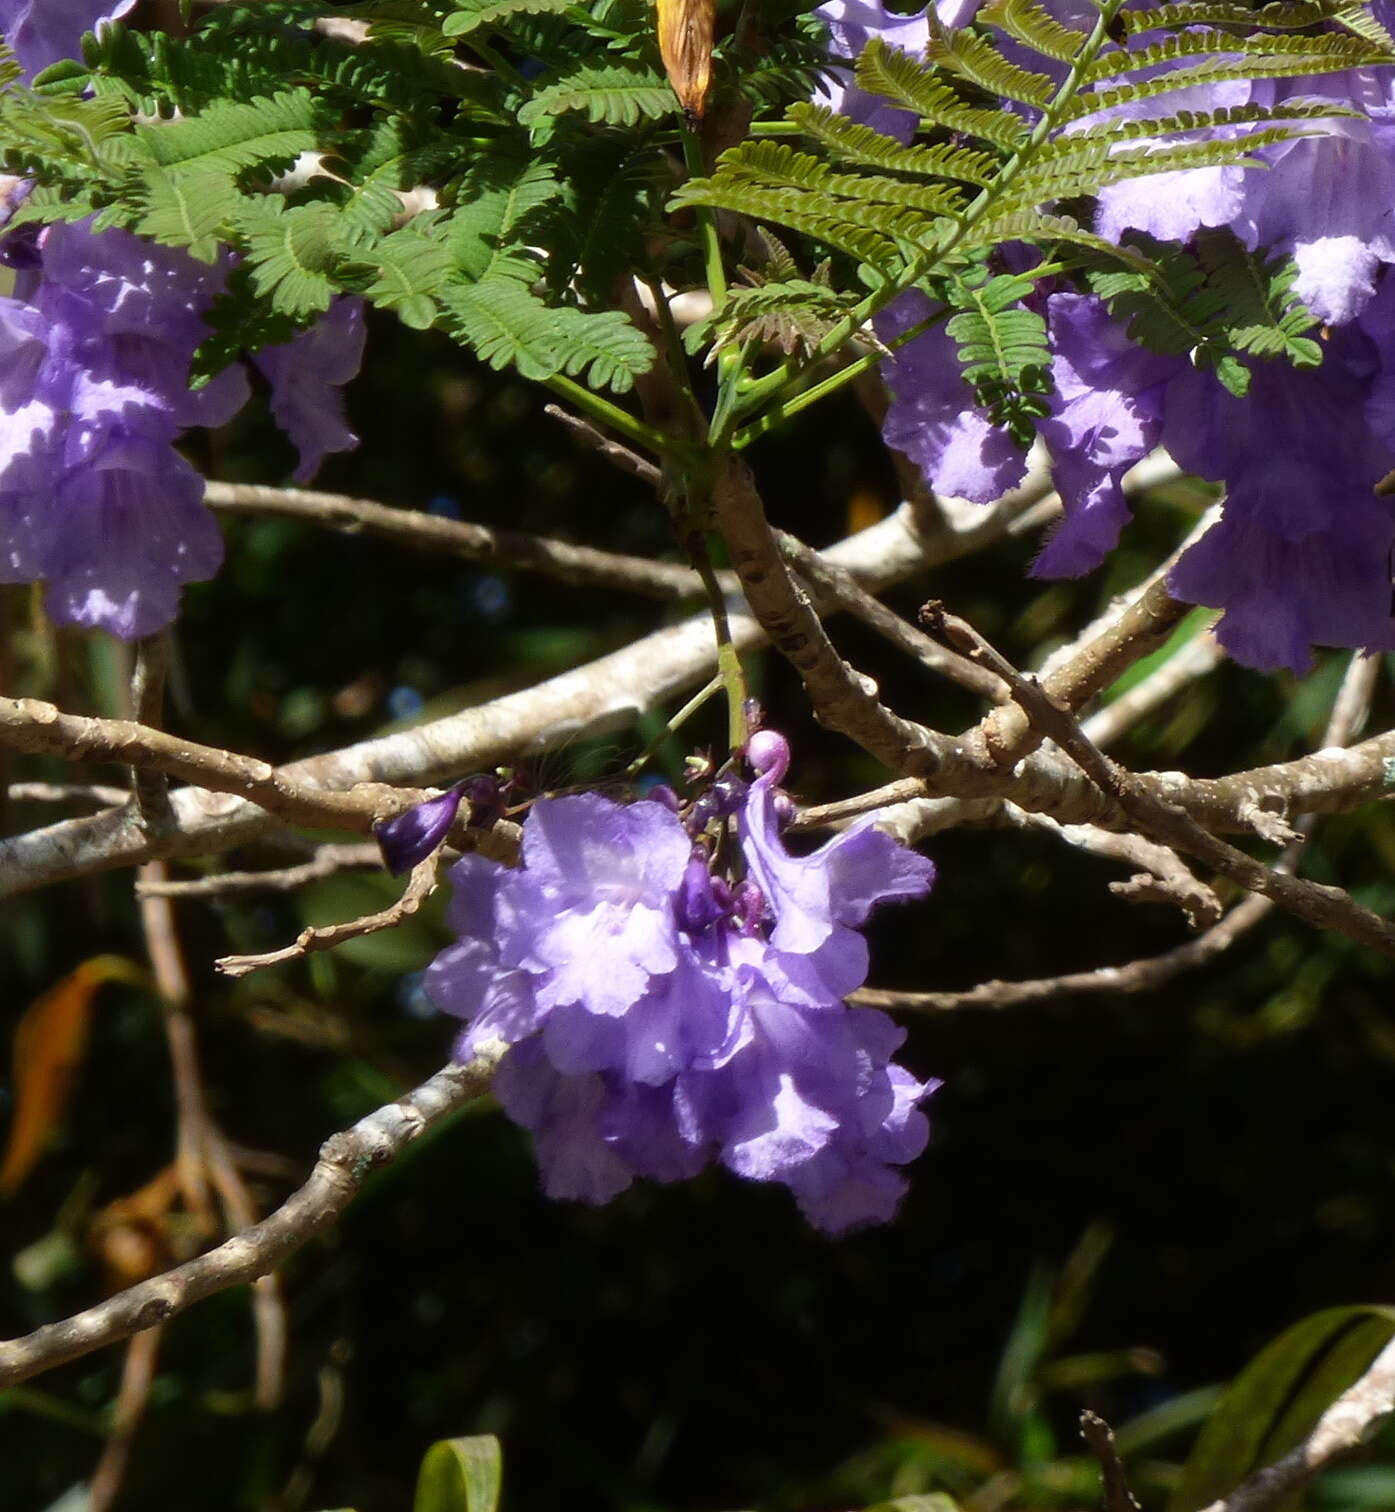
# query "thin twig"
(132, 1398)
(1148, 974)
(345, 1162)
(327, 861)
(1136, 976)
(827, 582)
(148, 676)
(68, 792)
(597, 441)
(420, 885)
(1100, 1438)
(1342, 1427)
(584, 566)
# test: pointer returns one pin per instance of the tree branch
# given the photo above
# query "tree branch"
(582, 565)
(1327, 907)
(345, 1161)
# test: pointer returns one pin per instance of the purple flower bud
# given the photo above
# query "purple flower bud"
(412, 836)
(786, 810)
(661, 792)
(748, 902)
(728, 793)
(485, 796)
(769, 754)
(696, 902)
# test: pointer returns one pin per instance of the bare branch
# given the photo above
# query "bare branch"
(345, 1162)
(1327, 907)
(327, 861)
(39, 728)
(1136, 976)
(581, 565)
(1342, 1427)
(420, 885)
(606, 446)
(601, 695)
(830, 583)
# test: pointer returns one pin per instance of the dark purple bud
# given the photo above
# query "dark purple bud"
(703, 811)
(661, 792)
(486, 798)
(729, 793)
(748, 904)
(411, 837)
(769, 754)
(696, 903)
(786, 810)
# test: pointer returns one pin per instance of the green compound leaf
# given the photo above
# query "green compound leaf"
(268, 133)
(460, 1475)
(507, 325)
(470, 14)
(1274, 1402)
(850, 142)
(1004, 351)
(191, 211)
(291, 252)
(887, 71)
(621, 93)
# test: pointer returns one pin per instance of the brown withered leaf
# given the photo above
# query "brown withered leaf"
(48, 1047)
(686, 29)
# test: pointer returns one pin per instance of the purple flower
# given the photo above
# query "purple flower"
(306, 376)
(93, 497)
(40, 32)
(934, 417)
(661, 1016)
(1325, 198)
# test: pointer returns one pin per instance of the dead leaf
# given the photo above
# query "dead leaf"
(49, 1043)
(686, 29)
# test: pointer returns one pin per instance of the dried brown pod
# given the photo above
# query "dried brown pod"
(686, 29)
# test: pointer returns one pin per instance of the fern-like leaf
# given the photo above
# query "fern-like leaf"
(507, 325)
(1004, 351)
(292, 252)
(887, 71)
(975, 58)
(851, 142)
(621, 93)
(1032, 25)
(470, 14)
(793, 315)
(233, 135)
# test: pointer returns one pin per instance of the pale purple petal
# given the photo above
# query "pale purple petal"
(307, 376)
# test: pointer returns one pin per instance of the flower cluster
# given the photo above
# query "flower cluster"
(97, 341)
(661, 1014)
(1301, 554)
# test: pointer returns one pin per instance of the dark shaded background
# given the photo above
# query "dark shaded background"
(693, 1347)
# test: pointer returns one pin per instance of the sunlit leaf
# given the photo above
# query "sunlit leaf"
(460, 1475)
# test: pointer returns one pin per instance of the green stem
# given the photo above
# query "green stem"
(729, 672)
(768, 419)
(609, 414)
(676, 723)
(770, 386)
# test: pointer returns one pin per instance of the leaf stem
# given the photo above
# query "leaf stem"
(729, 672)
(609, 414)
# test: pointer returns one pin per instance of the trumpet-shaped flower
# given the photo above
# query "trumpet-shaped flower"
(661, 1015)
